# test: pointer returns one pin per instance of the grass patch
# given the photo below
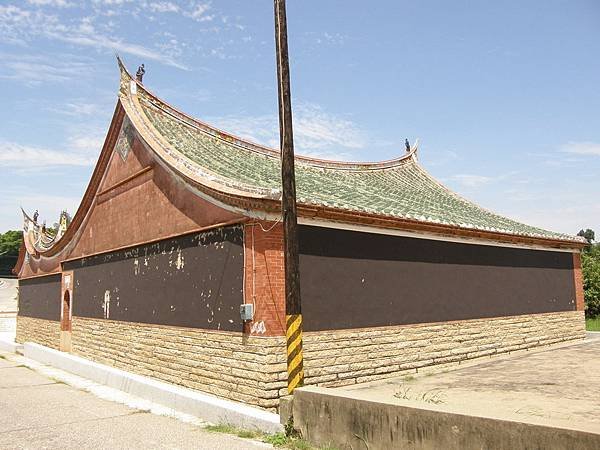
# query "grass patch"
(280, 440)
(239, 432)
(592, 324)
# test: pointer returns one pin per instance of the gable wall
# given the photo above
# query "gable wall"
(139, 201)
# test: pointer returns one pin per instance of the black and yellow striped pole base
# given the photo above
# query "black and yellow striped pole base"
(295, 363)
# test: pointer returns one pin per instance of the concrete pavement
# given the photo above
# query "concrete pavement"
(8, 307)
(540, 399)
(37, 412)
(8, 294)
(555, 386)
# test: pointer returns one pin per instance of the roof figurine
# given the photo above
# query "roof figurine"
(139, 75)
(407, 145)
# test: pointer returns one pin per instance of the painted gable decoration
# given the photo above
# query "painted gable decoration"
(125, 139)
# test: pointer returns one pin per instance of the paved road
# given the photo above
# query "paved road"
(8, 307)
(8, 294)
(37, 412)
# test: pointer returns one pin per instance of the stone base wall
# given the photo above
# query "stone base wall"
(253, 369)
(225, 364)
(336, 358)
(41, 331)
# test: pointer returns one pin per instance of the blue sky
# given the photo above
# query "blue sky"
(504, 96)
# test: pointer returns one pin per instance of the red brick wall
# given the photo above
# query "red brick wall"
(579, 303)
(264, 278)
(143, 206)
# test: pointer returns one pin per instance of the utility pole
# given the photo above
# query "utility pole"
(293, 312)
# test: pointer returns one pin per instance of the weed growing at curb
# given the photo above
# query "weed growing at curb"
(288, 440)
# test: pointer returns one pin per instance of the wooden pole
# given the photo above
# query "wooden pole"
(293, 312)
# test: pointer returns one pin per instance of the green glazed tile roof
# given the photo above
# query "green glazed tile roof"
(398, 189)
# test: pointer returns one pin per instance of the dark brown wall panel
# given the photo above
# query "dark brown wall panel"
(352, 279)
(40, 297)
(191, 281)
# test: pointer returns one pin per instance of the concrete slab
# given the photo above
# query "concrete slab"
(15, 378)
(207, 407)
(4, 363)
(542, 399)
(549, 387)
(55, 415)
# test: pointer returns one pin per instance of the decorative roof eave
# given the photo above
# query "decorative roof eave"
(128, 91)
(36, 237)
(253, 198)
(440, 229)
(272, 207)
(20, 259)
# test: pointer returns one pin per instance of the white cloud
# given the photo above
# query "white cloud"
(439, 158)
(471, 181)
(163, 7)
(86, 144)
(57, 3)
(104, 42)
(17, 155)
(17, 24)
(35, 70)
(79, 109)
(571, 215)
(317, 133)
(586, 148)
(319, 129)
(475, 181)
(113, 2)
(49, 206)
(198, 13)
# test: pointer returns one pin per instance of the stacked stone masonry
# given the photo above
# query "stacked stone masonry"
(226, 364)
(253, 369)
(342, 357)
(40, 331)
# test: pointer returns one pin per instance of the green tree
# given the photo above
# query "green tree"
(588, 234)
(590, 267)
(9, 251)
(10, 242)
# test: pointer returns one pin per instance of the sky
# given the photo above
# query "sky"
(503, 96)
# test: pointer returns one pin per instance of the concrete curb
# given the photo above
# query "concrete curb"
(7, 343)
(206, 407)
(325, 416)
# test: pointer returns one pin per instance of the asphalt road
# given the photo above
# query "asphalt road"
(37, 412)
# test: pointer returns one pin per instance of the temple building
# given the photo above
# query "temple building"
(180, 225)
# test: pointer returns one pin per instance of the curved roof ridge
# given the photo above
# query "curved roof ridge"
(398, 188)
(248, 144)
(459, 197)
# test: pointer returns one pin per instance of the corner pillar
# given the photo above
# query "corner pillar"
(264, 281)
